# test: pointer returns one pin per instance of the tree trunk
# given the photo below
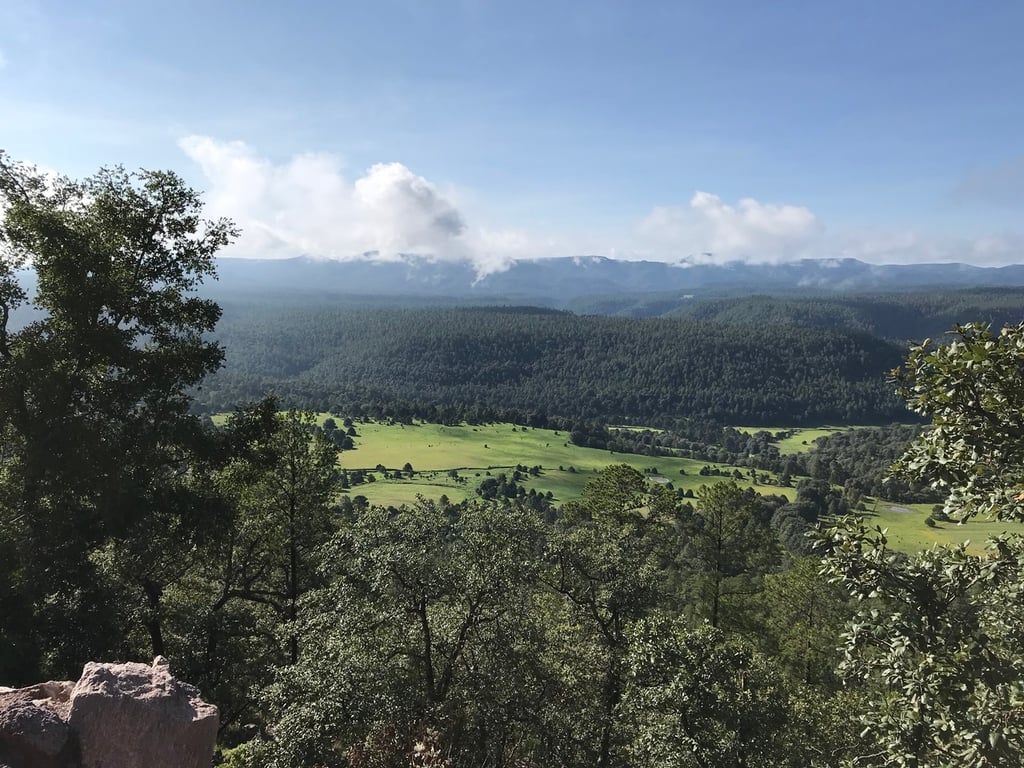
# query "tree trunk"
(154, 592)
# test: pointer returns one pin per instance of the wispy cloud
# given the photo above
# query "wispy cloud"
(709, 229)
(910, 247)
(308, 205)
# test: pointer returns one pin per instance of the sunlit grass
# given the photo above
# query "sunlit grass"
(802, 439)
(477, 452)
(489, 449)
(908, 532)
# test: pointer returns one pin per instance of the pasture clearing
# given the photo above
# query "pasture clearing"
(802, 439)
(476, 451)
(907, 531)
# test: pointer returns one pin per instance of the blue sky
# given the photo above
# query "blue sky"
(890, 131)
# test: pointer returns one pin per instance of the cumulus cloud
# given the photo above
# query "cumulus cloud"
(709, 229)
(307, 205)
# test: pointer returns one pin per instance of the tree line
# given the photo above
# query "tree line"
(858, 460)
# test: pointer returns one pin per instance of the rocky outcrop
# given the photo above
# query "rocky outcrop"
(33, 731)
(115, 716)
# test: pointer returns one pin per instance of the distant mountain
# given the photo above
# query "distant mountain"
(559, 281)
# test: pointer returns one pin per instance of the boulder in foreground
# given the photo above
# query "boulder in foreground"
(115, 716)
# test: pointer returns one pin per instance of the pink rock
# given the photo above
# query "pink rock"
(33, 733)
(130, 715)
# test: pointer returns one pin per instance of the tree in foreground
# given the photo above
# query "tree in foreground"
(232, 616)
(972, 389)
(730, 549)
(937, 640)
(608, 564)
(425, 639)
(699, 698)
(97, 437)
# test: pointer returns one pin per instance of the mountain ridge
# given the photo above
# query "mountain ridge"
(560, 279)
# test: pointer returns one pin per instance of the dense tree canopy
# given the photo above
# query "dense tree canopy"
(94, 404)
(477, 364)
(902, 316)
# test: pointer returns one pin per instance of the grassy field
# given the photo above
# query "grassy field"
(802, 439)
(906, 529)
(476, 451)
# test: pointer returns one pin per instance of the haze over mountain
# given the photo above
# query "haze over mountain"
(559, 280)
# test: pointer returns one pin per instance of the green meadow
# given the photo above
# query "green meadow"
(802, 439)
(476, 452)
(434, 450)
(906, 529)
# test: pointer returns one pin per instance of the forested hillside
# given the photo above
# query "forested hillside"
(478, 363)
(911, 314)
(900, 316)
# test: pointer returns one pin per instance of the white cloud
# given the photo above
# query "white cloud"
(910, 247)
(711, 230)
(307, 206)
(3, 60)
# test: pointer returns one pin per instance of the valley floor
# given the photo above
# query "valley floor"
(453, 461)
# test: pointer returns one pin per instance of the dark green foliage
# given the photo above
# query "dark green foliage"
(696, 698)
(805, 617)
(860, 460)
(459, 364)
(792, 522)
(899, 316)
(938, 639)
(729, 548)
(427, 633)
(94, 408)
